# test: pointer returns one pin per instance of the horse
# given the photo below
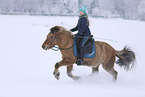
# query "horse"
(105, 54)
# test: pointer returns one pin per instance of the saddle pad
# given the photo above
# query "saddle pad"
(87, 55)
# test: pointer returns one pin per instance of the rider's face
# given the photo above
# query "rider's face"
(81, 13)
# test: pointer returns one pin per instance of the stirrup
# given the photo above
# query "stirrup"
(79, 62)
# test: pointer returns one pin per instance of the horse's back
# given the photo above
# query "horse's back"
(103, 45)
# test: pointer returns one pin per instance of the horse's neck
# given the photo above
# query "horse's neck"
(64, 41)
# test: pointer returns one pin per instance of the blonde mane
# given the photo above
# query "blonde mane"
(65, 31)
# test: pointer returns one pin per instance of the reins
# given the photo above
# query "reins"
(58, 48)
(62, 48)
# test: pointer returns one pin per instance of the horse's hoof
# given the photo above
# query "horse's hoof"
(76, 78)
(56, 75)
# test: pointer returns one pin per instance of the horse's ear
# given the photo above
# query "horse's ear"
(52, 31)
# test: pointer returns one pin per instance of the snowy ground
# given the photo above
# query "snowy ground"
(26, 69)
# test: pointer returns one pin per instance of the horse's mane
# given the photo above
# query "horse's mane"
(65, 31)
(62, 30)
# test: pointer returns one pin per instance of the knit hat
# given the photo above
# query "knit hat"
(83, 9)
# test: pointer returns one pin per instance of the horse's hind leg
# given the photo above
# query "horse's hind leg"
(69, 72)
(109, 67)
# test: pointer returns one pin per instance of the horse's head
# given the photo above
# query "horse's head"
(52, 38)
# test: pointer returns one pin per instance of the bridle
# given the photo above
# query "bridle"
(57, 48)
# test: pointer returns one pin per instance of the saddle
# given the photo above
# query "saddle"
(89, 49)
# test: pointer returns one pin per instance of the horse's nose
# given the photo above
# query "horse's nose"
(43, 47)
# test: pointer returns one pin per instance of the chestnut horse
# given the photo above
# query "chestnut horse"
(105, 54)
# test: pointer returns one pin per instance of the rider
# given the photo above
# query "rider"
(83, 33)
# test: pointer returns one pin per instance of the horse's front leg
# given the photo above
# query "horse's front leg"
(64, 62)
(69, 72)
(56, 72)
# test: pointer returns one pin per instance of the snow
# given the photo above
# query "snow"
(26, 69)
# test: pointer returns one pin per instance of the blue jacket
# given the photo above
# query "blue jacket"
(82, 27)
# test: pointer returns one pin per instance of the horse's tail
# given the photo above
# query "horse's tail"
(126, 58)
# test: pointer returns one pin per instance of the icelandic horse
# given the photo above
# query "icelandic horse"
(105, 54)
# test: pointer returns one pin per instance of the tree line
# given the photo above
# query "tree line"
(128, 9)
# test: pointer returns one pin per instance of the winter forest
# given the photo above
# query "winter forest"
(127, 9)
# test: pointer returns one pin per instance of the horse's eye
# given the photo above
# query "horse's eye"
(51, 37)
